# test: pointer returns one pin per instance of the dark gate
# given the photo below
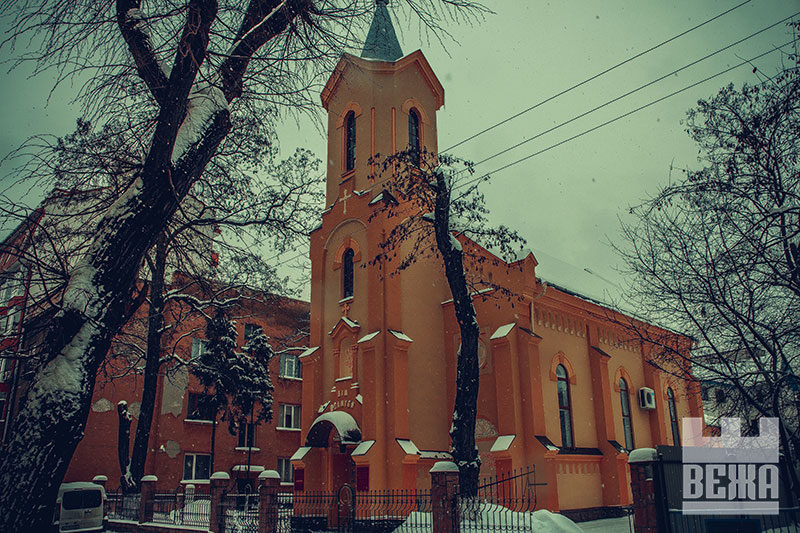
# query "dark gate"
(668, 486)
(345, 509)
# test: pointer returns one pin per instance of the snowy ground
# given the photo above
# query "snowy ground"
(622, 524)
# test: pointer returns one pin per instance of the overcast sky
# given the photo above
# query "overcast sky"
(567, 200)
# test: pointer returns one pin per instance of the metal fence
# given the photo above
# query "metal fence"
(182, 509)
(122, 506)
(502, 503)
(239, 513)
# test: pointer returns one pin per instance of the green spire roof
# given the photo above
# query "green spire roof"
(381, 42)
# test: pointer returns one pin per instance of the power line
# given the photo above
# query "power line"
(618, 98)
(587, 80)
(619, 117)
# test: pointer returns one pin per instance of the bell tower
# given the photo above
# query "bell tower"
(356, 373)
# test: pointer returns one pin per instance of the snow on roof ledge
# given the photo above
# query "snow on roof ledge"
(408, 446)
(150, 478)
(502, 331)
(444, 466)
(220, 475)
(363, 448)
(400, 335)
(643, 455)
(269, 474)
(300, 453)
(345, 425)
(502, 443)
(309, 351)
(368, 337)
(245, 468)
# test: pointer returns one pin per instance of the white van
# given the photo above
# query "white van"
(80, 507)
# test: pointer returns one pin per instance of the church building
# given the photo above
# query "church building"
(562, 387)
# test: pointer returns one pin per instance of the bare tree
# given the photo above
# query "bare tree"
(191, 67)
(717, 254)
(435, 206)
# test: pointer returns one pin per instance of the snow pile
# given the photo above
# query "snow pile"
(489, 516)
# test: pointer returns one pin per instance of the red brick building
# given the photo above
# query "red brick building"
(180, 439)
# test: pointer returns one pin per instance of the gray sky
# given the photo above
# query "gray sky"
(566, 201)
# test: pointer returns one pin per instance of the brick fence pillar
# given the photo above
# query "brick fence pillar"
(268, 481)
(219, 486)
(645, 514)
(102, 480)
(444, 488)
(146, 502)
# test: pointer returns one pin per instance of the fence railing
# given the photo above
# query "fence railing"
(240, 513)
(501, 503)
(122, 506)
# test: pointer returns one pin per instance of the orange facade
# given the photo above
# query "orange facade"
(379, 376)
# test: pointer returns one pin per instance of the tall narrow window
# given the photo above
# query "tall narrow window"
(413, 135)
(673, 417)
(564, 410)
(627, 423)
(347, 273)
(350, 141)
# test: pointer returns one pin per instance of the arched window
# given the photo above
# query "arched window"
(413, 135)
(350, 141)
(564, 410)
(673, 417)
(627, 423)
(347, 273)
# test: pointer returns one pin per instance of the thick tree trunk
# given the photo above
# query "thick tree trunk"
(51, 422)
(123, 443)
(465, 410)
(155, 321)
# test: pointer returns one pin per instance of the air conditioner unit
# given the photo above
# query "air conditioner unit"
(647, 398)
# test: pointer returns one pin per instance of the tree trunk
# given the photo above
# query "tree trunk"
(155, 321)
(123, 443)
(52, 421)
(465, 410)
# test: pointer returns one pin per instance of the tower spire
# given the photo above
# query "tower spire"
(381, 42)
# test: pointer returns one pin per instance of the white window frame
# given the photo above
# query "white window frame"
(297, 372)
(199, 347)
(283, 410)
(194, 457)
(285, 470)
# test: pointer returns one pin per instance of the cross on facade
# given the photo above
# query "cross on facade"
(345, 197)
(346, 310)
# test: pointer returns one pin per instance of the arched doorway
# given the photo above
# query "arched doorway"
(339, 433)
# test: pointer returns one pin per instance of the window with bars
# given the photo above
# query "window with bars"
(289, 416)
